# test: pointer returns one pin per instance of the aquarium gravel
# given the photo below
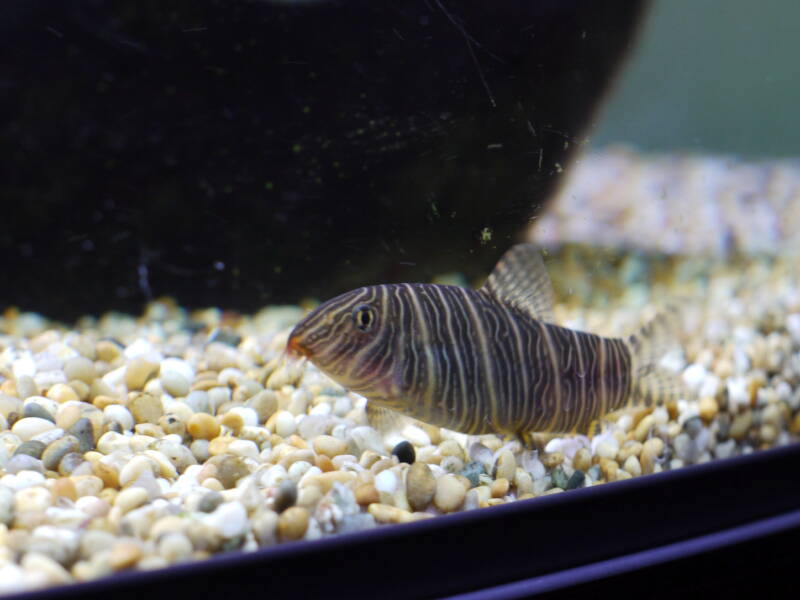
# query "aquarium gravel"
(136, 443)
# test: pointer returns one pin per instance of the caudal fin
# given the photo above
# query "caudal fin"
(653, 384)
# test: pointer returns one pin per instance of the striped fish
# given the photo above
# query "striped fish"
(481, 361)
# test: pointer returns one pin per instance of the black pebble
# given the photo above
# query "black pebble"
(404, 452)
(576, 480)
(286, 496)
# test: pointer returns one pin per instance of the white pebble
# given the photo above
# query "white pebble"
(793, 327)
(694, 375)
(120, 414)
(416, 436)
(218, 396)
(323, 408)
(243, 448)
(48, 437)
(273, 476)
(31, 426)
(229, 520)
(24, 365)
(33, 498)
(112, 441)
(737, 391)
(386, 481)
(179, 366)
(298, 469)
(284, 423)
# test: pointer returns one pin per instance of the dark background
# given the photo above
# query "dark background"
(237, 153)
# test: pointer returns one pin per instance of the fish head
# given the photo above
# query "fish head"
(343, 337)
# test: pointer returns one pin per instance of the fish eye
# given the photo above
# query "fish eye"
(364, 317)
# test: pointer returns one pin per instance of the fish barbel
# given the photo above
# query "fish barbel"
(482, 361)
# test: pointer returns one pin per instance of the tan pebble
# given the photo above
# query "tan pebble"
(526, 496)
(450, 493)
(385, 513)
(219, 445)
(107, 472)
(608, 468)
(326, 480)
(630, 448)
(368, 458)
(81, 388)
(708, 408)
(632, 466)
(651, 451)
(451, 448)
(552, 459)
(495, 501)
(214, 484)
(296, 441)
(61, 393)
(523, 482)
(109, 495)
(381, 465)
(623, 474)
(138, 371)
(308, 496)
(9, 388)
(265, 403)
(131, 498)
(367, 494)
(102, 401)
(233, 421)
(420, 486)
(499, 487)
(552, 491)
(464, 481)
(582, 459)
(505, 466)
(294, 456)
(324, 463)
(124, 554)
(107, 351)
(168, 524)
(80, 368)
(768, 433)
(64, 488)
(146, 408)
(203, 426)
(68, 415)
(741, 425)
(795, 425)
(329, 445)
(293, 523)
(643, 428)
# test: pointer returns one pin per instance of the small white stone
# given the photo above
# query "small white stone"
(273, 476)
(416, 436)
(131, 498)
(243, 448)
(230, 375)
(323, 408)
(179, 366)
(33, 498)
(793, 327)
(111, 441)
(218, 396)
(120, 414)
(230, 519)
(29, 427)
(737, 391)
(694, 375)
(298, 469)
(48, 437)
(386, 481)
(134, 468)
(24, 365)
(284, 424)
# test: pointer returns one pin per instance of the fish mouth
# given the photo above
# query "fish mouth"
(295, 349)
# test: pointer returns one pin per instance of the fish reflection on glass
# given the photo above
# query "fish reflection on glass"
(482, 361)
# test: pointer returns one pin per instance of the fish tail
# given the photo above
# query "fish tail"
(650, 383)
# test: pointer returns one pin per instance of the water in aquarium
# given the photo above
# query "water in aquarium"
(279, 271)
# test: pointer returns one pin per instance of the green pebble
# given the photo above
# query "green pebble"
(559, 478)
(473, 471)
(576, 480)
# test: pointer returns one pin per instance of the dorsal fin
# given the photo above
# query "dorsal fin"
(520, 280)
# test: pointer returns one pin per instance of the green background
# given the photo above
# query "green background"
(718, 76)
